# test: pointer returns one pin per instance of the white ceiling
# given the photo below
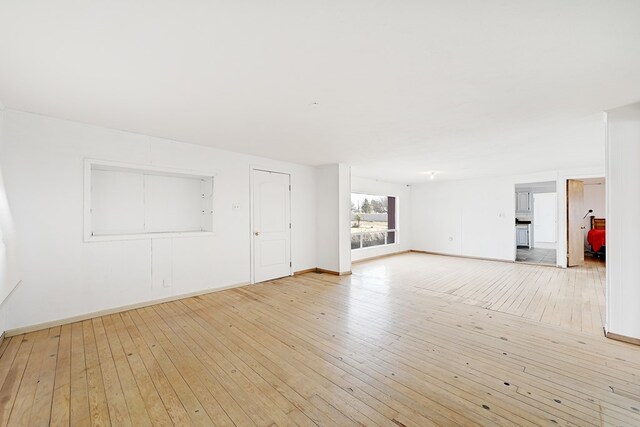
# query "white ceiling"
(394, 88)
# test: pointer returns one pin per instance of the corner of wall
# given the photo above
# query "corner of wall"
(3, 262)
(333, 187)
(623, 208)
(344, 223)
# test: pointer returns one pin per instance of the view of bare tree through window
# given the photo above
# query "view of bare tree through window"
(373, 220)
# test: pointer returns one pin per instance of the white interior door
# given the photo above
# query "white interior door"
(271, 225)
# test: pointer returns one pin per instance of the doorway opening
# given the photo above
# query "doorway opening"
(536, 223)
(586, 221)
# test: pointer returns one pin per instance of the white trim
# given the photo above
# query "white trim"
(384, 245)
(90, 164)
(466, 256)
(151, 169)
(607, 209)
(10, 293)
(86, 316)
(156, 235)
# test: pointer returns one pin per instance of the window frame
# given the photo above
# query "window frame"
(395, 230)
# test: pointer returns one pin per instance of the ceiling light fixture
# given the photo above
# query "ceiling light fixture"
(432, 174)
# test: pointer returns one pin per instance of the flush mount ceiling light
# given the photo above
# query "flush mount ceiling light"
(432, 174)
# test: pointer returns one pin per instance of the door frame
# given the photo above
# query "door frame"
(562, 209)
(531, 180)
(253, 168)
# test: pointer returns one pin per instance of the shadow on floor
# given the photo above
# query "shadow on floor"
(536, 256)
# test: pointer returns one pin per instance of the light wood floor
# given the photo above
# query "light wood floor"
(325, 350)
(573, 298)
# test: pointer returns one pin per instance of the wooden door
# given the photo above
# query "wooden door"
(271, 225)
(575, 224)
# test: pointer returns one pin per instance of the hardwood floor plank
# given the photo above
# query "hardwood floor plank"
(230, 396)
(4, 345)
(411, 340)
(79, 413)
(288, 371)
(126, 405)
(160, 396)
(245, 376)
(40, 412)
(383, 367)
(185, 377)
(28, 384)
(398, 355)
(325, 376)
(6, 362)
(156, 354)
(98, 406)
(61, 400)
(13, 379)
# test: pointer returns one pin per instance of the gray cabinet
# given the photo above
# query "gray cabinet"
(523, 202)
(522, 235)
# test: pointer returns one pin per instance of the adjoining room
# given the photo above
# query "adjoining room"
(596, 221)
(536, 223)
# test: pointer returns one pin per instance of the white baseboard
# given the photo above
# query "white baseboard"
(461, 256)
(87, 316)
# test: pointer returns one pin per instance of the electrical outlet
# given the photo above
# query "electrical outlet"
(166, 282)
(236, 206)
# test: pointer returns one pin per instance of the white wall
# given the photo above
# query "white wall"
(5, 231)
(623, 211)
(545, 212)
(9, 275)
(466, 217)
(63, 277)
(327, 221)
(403, 194)
(344, 215)
(476, 217)
(594, 198)
(333, 217)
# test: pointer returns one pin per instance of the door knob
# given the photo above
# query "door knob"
(257, 233)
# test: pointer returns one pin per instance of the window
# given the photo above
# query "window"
(134, 202)
(373, 220)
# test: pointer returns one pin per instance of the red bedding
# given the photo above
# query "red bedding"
(596, 239)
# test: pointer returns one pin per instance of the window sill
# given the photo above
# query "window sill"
(140, 236)
(373, 247)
